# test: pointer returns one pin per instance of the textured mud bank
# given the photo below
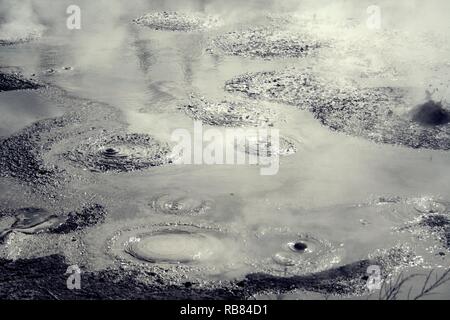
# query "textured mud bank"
(178, 21)
(15, 81)
(264, 42)
(380, 114)
(229, 113)
(45, 278)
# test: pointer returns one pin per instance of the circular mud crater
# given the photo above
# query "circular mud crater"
(120, 153)
(281, 252)
(181, 203)
(178, 249)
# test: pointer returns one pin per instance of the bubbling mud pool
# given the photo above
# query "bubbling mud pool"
(180, 229)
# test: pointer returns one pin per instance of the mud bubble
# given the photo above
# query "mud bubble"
(281, 252)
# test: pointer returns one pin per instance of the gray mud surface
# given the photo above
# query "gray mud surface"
(264, 42)
(368, 112)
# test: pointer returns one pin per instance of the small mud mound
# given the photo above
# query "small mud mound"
(178, 21)
(89, 216)
(120, 153)
(15, 81)
(346, 107)
(181, 203)
(282, 252)
(431, 113)
(264, 42)
(229, 113)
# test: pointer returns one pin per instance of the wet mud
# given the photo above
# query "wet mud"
(178, 21)
(349, 108)
(264, 42)
(229, 113)
(120, 153)
(15, 81)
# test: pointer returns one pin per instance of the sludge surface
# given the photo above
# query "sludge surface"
(15, 81)
(134, 69)
(229, 113)
(367, 112)
(264, 42)
(120, 153)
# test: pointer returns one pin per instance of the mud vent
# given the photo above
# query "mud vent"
(120, 153)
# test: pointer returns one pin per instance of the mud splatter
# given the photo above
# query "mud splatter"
(345, 106)
(431, 113)
(178, 21)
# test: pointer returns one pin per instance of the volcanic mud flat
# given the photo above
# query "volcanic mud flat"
(15, 81)
(380, 114)
(120, 153)
(229, 113)
(178, 21)
(264, 42)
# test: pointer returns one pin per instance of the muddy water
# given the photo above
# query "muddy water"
(231, 218)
